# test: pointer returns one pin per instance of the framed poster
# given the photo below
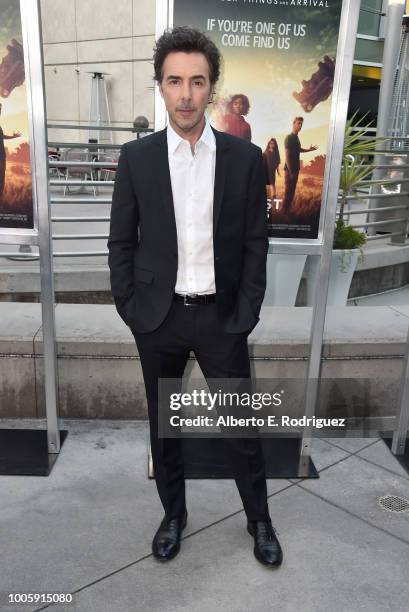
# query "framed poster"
(276, 90)
(17, 202)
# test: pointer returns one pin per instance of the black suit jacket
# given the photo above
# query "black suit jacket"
(142, 244)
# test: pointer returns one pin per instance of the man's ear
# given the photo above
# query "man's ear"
(160, 89)
(211, 96)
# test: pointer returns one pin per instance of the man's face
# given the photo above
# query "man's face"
(238, 106)
(186, 89)
(297, 126)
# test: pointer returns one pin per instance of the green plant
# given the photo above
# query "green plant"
(347, 237)
(355, 175)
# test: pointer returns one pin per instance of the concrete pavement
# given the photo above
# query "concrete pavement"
(87, 530)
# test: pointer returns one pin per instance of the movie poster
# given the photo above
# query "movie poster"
(16, 202)
(275, 91)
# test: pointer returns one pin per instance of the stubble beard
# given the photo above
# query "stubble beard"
(189, 127)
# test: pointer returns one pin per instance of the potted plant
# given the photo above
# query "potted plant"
(355, 176)
(348, 241)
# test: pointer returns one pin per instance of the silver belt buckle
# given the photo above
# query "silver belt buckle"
(185, 297)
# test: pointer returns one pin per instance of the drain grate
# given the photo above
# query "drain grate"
(393, 503)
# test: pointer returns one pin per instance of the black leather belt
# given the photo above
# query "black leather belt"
(195, 300)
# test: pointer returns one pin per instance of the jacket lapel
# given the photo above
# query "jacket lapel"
(222, 147)
(164, 183)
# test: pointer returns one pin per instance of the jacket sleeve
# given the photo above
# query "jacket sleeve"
(123, 232)
(253, 278)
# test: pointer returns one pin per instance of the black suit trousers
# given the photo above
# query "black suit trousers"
(164, 354)
(290, 183)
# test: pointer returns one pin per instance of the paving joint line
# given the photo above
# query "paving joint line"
(398, 311)
(224, 518)
(383, 468)
(358, 456)
(330, 465)
(350, 513)
(350, 452)
(147, 556)
(297, 479)
(98, 580)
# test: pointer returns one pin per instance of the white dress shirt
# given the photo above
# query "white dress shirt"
(192, 179)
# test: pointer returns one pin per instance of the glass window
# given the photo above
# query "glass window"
(370, 18)
(369, 50)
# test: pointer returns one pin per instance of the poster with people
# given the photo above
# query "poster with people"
(16, 201)
(275, 90)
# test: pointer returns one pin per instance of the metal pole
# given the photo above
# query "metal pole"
(402, 421)
(391, 48)
(33, 57)
(393, 30)
(98, 83)
(164, 14)
(342, 83)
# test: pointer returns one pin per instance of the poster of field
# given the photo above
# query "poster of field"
(16, 202)
(275, 90)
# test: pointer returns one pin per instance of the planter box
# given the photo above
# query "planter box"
(343, 265)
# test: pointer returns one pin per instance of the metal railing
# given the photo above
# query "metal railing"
(60, 170)
(393, 227)
(392, 219)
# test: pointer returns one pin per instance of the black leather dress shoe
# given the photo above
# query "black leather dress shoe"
(166, 543)
(267, 548)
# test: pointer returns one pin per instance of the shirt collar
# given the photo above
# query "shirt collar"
(207, 138)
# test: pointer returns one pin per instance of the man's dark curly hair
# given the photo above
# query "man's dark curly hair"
(188, 40)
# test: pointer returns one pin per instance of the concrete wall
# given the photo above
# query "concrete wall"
(100, 373)
(98, 35)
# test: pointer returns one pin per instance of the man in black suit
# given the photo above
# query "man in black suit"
(187, 254)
